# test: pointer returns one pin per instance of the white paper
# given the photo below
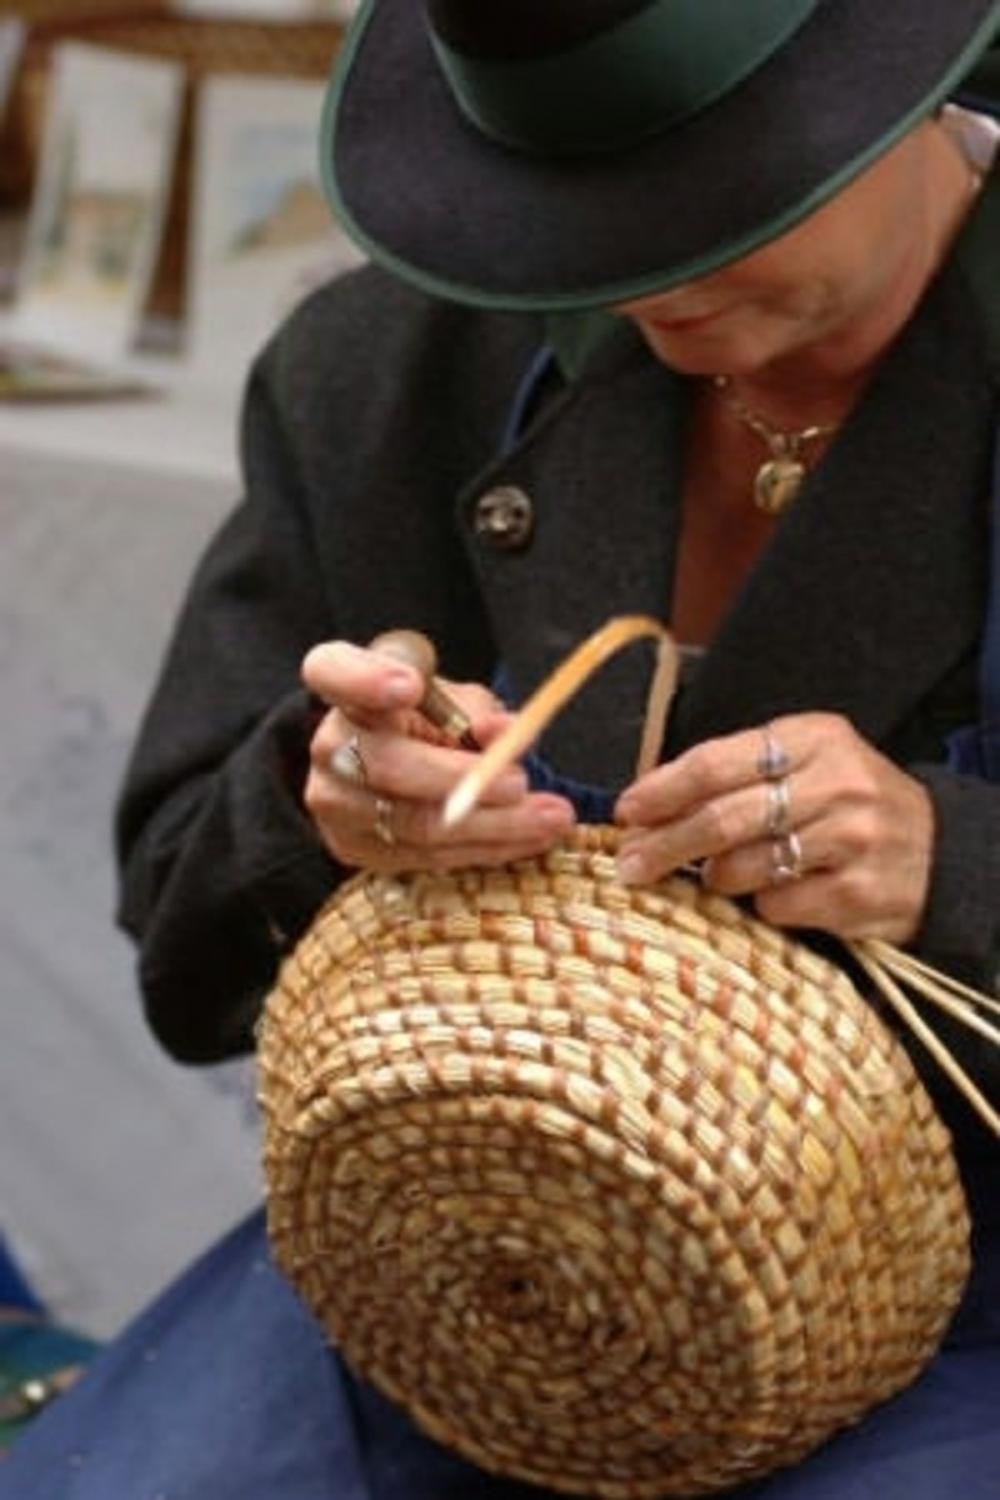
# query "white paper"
(262, 234)
(270, 10)
(99, 204)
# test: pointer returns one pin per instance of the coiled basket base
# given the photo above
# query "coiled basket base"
(617, 1191)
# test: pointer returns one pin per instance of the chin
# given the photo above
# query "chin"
(707, 351)
(690, 352)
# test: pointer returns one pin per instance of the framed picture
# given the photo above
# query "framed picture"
(11, 42)
(97, 212)
(262, 234)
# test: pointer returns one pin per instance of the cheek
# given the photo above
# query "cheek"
(781, 291)
(764, 307)
(794, 309)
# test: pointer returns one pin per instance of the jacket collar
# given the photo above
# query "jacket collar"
(878, 571)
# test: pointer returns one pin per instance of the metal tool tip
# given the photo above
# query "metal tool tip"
(460, 802)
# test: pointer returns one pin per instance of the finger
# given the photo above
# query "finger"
(755, 867)
(702, 774)
(472, 698)
(343, 820)
(848, 838)
(353, 677)
(336, 729)
(387, 770)
(851, 901)
(488, 715)
(539, 818)
(345, 811)
(490, 725)
(395, 768)
(837, 901)
(720, 826)
(812, 902)
(402, 767)
(848, 899)
(730, 762)
(415, 839)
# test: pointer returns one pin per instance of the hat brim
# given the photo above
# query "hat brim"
(445, 208)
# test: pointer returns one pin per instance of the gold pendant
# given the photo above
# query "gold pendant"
(776, 484)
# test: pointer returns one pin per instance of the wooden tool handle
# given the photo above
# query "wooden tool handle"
(413, 648)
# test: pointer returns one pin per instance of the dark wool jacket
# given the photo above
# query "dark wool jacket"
(371, 430)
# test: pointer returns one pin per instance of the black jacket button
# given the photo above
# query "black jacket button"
(504, 518)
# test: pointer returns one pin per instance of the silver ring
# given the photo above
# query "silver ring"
(779, 804)
(348, 763)
(786, 859)
(773, 761)
(382, 827)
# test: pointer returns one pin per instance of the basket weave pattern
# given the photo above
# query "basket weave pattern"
(618, 1191)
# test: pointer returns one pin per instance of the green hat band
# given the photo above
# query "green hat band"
(671, 59)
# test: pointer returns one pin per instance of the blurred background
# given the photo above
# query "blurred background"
(142, 260)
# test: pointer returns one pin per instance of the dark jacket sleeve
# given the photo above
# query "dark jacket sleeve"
(362, 420)
(220, 866)
(961, 927)
(960, 933)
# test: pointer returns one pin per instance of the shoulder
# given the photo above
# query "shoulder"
(367, 340)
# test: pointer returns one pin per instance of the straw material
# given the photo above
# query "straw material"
(616, 1190)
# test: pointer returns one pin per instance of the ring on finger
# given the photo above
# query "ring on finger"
(786, 858)
(382, 826)
(348, 763)
(773, 761)
(779, 802)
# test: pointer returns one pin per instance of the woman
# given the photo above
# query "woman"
(709, 336)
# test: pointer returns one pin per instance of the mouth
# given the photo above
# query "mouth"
(670, 324)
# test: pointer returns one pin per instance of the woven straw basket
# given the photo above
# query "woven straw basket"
(618, 1191)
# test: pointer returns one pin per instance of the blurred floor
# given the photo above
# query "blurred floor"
(116, 1165)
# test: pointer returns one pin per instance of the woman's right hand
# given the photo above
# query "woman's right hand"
(385, 812)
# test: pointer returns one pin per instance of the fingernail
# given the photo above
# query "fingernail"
(627, 810)
(399, 689)
(631, 869)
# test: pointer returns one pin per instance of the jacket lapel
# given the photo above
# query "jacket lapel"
(878, 572)
(600, 469)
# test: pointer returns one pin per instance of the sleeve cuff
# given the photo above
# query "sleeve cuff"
(289, 871)
(960, 932)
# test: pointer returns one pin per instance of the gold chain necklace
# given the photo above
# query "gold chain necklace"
(780, 476)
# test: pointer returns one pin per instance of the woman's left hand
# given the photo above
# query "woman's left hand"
(803, 815)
